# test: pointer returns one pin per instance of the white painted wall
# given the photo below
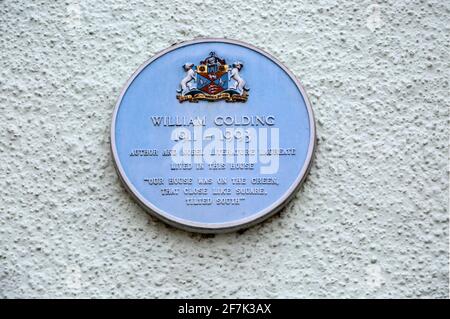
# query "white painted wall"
(371, 220)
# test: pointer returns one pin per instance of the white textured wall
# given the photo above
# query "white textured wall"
(370, 221)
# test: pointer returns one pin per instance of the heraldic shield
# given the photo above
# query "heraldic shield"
(213, 80)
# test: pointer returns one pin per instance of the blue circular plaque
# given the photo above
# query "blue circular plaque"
(212, 135)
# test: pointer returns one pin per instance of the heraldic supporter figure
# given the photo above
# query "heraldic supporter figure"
(186, 84)
(240, 82)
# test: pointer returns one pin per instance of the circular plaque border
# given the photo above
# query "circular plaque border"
(215, 227)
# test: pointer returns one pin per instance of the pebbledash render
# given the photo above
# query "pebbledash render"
(370, 220)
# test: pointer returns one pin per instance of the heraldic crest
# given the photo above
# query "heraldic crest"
(213, 80)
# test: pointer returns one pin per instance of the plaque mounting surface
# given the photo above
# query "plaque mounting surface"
(212, 135)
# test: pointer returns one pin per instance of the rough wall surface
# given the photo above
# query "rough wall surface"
(370, 221)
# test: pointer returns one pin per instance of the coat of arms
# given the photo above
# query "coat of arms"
(213, 80)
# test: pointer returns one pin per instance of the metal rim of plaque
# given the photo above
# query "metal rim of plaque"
(231, 95)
